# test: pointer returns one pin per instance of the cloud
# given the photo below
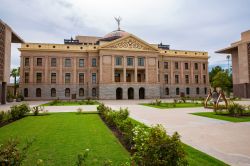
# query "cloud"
(188, 25)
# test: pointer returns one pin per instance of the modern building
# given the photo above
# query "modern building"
(7, 36)
(240, 52)
(116, 66)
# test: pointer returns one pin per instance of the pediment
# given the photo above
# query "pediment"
(129, 42)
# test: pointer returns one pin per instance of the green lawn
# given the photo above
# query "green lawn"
(194, 156)
(222, 117)
(70, 103)
(172, 105)
(59, 137)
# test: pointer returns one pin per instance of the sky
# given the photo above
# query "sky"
(183, 24)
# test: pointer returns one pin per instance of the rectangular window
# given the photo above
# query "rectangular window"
(165, 65)
(204, 66)
(93, 62)
(81, 78)
(53, 62)
(38, 77)
(93, 78)
(117, 77)
(67, 62)
(196, 79)
(186, 66)
(26, 61)
(204, 79)
(26, 77)
(177, 79)
(196, 66)
(118, 61)
(187, 79)
(53, 78)
(39, 61)
(140, 61)
(67, 78)
(166, 78)
(176, 65)
(129, 61)
(81, 62)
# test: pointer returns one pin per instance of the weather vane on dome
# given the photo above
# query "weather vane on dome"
(118, 20)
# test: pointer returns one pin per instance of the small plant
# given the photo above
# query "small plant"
(1, 116)
(236, 109)
(37, 109)
(79, 110)
(156, 102)
(107, 163)
(18, 111)
(81, 158)
(10, 154)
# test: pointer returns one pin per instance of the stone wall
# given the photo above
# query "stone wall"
(108, 91)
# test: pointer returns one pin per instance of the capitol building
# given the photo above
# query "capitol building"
(118, 65)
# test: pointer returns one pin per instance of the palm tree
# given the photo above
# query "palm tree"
(15, 73)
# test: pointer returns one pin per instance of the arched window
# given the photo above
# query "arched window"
(197, 90)
(26, 92)
(205, 91)
(188, 91)
(177, 91)
(166, 91)
(67, 92)
(81, 92)
(53, 92)
(94, 92)
(38, 92)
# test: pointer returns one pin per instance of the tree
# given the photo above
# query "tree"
(222, 80)
(15, 73)
(213, 72)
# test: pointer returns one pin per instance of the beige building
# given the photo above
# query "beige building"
(7, 36)
(240, 52)
(116, 66)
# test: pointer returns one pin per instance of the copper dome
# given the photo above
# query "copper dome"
(115, 35)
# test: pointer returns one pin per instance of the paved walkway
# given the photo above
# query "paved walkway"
(227, 141)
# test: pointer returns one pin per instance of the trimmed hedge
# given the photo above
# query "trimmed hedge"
(149, 145)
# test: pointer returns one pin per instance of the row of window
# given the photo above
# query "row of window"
(187, 79)
(53, 80)
(130, 61)
(177, 91)
(53, 62)
(67, 92)
(186, 66)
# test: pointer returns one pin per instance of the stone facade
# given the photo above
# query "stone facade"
(240, 52)
(116, 66)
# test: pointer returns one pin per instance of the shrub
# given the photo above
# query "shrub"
(151, 146)
(18, 111)
(37, 109)
(55, 102)
(81, 158)
(154, 147)
(79, 110)
(1, 116)
(157, 101)
(10, 154)
(236, 109)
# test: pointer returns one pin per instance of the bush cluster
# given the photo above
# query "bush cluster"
(236, 109)
(150, 145)
(16, 112)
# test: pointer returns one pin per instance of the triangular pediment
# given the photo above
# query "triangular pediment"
(129, 42)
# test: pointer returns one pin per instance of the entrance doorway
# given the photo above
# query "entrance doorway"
(130, 93)
(142, 93)
(119, 93)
